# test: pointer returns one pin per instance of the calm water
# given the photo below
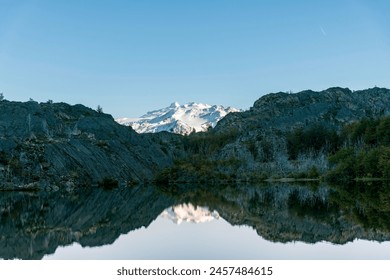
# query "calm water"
(275, 221)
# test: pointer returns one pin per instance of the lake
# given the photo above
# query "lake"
(267, 221)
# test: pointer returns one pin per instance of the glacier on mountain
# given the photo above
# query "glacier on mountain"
(180, 119)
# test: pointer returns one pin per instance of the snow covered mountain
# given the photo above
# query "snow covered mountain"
(180, 119)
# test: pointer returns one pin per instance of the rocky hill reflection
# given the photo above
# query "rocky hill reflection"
(310, 213)
(35, 224)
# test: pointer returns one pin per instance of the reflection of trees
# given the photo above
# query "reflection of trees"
(317, 208)
(295, 212)
(35, 224)
(367, 204)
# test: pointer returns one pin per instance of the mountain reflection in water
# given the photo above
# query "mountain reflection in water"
(33, 225)
(189, 213)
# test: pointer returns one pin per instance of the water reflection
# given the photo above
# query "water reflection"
(33, 225)
(189, 213)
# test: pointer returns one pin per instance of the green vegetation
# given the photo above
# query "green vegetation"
(368, 132)
(206, 143)
(365, 203)
(199, 165)
(312, 173)
(366, 152)
(360, 150)
(314, 139)
(350, 163)
(201, 170)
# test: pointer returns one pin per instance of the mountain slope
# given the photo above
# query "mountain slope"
(179, 119)
(44, 144)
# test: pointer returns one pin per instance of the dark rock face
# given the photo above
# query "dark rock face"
(45, 144)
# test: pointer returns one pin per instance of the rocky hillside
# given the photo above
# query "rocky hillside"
(50, 145)
(282, 135)
(263, 131)
(332, 107)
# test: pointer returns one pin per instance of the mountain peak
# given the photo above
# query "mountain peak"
(179, 119)
(174, 105)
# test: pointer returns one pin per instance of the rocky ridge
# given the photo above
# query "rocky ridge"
(333, 107)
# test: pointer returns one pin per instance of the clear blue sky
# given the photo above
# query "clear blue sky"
(134, 56)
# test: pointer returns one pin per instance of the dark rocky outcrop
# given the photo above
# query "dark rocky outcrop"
(55, 145)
